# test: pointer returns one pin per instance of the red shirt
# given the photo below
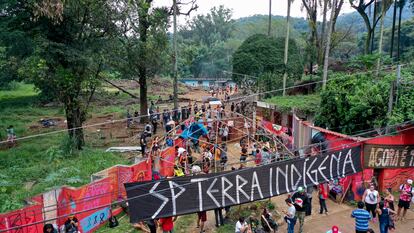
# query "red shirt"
(323, 191)
(258, 159)
(167, 224)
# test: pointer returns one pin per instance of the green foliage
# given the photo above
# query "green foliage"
(260, 54)
(308, 104)
(358, 102)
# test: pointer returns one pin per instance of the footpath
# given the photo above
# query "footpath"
(339, 215)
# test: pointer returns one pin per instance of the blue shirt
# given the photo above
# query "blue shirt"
(362, 218)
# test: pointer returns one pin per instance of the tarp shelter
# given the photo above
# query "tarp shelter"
(194, 131)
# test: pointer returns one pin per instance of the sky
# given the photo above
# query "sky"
(244, 8)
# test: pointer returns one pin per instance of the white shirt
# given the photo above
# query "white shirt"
(371, 197)
(291, 211)
(239, 225)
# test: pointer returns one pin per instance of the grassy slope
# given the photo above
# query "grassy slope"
(38, 164)
(304, 103)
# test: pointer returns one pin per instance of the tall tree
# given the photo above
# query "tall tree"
(270, 18)
(311, 7)
(401, 4)
(324, 4)
(285, 59)
(361, 6)
(175, 12)
(144, 42)
(328, 46)
(394, 16)
(69, 40)
(385, 5)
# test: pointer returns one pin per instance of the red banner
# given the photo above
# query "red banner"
(23, 217)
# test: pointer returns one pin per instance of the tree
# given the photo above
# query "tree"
(68, 40)
(206, 46)
(144, 42)
(361, 7)
(311, 7)
(385, 4)
(401, 4)
(328, 46)
(260, 54)
(176, 11)
(270, 18)
(393, 28)
(285, 60)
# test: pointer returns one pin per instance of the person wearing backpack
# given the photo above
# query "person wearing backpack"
(384, 217)
(406, 193)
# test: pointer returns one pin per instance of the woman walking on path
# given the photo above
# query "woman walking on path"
(371, 199)
(384, 217)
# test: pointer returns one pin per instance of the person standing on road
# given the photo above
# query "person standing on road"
(167, 224)
(202, 218)
(371, 199)
(323, 195)
(406, 193)
(290, 217)
(384, 217)
(300, 200)
(362, 218)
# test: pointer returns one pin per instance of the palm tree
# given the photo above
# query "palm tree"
(328, 45)
(385, 4)
(286, 45)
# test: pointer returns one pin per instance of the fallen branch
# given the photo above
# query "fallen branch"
(121, 89)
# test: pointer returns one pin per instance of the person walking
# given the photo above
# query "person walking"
(371, 199)
(384, 214)
(300, 200)
(290, 217)
(323, 195)
(309, 193)
(406, 193)
(218, 215)
(362, 218)
(167, 224)
(202, 218)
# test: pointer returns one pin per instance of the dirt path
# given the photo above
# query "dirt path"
(339, 215)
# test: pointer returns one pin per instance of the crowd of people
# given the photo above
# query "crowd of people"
(381, 209)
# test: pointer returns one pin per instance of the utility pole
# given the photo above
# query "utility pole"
(270, 18)
(175, 71)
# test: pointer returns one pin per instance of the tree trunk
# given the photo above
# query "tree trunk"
(175, 71)
(286, 47)
(401, 6)
(322, 40)
(381, 38)
(393, 28)
(75, 119)
(269, 27)
(372, 31)
(142, 68)
(328, 45)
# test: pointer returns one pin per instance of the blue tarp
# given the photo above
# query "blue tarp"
(194, 131)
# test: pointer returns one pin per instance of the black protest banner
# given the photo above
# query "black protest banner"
(388, 156)
(184, 195)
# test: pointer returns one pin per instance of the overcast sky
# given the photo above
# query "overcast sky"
(243, 8)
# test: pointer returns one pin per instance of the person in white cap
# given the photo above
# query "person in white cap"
(406, 193)
(300, 201)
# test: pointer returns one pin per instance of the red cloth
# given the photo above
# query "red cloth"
(258, 159)
(167, 224)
